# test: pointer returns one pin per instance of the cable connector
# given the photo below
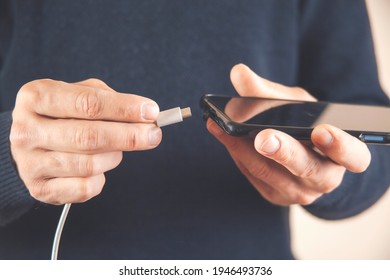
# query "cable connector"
(172, 116)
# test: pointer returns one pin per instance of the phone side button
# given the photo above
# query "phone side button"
(372, 138)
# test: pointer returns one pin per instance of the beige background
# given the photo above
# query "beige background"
(365, 236)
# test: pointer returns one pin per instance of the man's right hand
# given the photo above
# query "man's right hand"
(64, 136)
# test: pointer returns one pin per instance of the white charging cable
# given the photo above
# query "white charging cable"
(60, 226)
(166, 117)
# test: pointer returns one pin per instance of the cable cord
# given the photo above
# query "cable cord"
(166, 117)
(60, 226)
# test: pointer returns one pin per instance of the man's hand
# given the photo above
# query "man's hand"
(65, 136)
(284, 170)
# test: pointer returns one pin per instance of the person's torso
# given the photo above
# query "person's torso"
(185, 199)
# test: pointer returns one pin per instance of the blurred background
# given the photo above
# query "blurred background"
(366, 236)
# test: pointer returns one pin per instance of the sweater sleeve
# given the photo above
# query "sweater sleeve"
(337, 63)
(15, 199)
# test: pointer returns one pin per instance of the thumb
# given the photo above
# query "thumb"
(248, 83)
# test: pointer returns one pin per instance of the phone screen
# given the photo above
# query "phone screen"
(242, 114)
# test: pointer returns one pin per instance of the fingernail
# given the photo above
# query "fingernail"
(155, 136)
(270, 146)
(323, 137)
(149, 111)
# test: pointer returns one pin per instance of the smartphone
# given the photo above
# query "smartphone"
(246, 116)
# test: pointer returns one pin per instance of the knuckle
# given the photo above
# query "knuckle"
(38, 190)
(86, 165)
(96, 82)
(269, 194)
(19, 135)
(87, 138)
(272, 198)
(55, 162)
(89, 188)
(28, 96)
(132, 139)
(32, 92)
(311, 169)
(34, 169)
(307, 200)
(83, 192)
(272, 195)
(89, 104)
(302, 198)
(36, 193)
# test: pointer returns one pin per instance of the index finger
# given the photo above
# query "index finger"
(63, 100)
(248, 83)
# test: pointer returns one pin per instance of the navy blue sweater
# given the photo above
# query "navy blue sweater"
(186, 199)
